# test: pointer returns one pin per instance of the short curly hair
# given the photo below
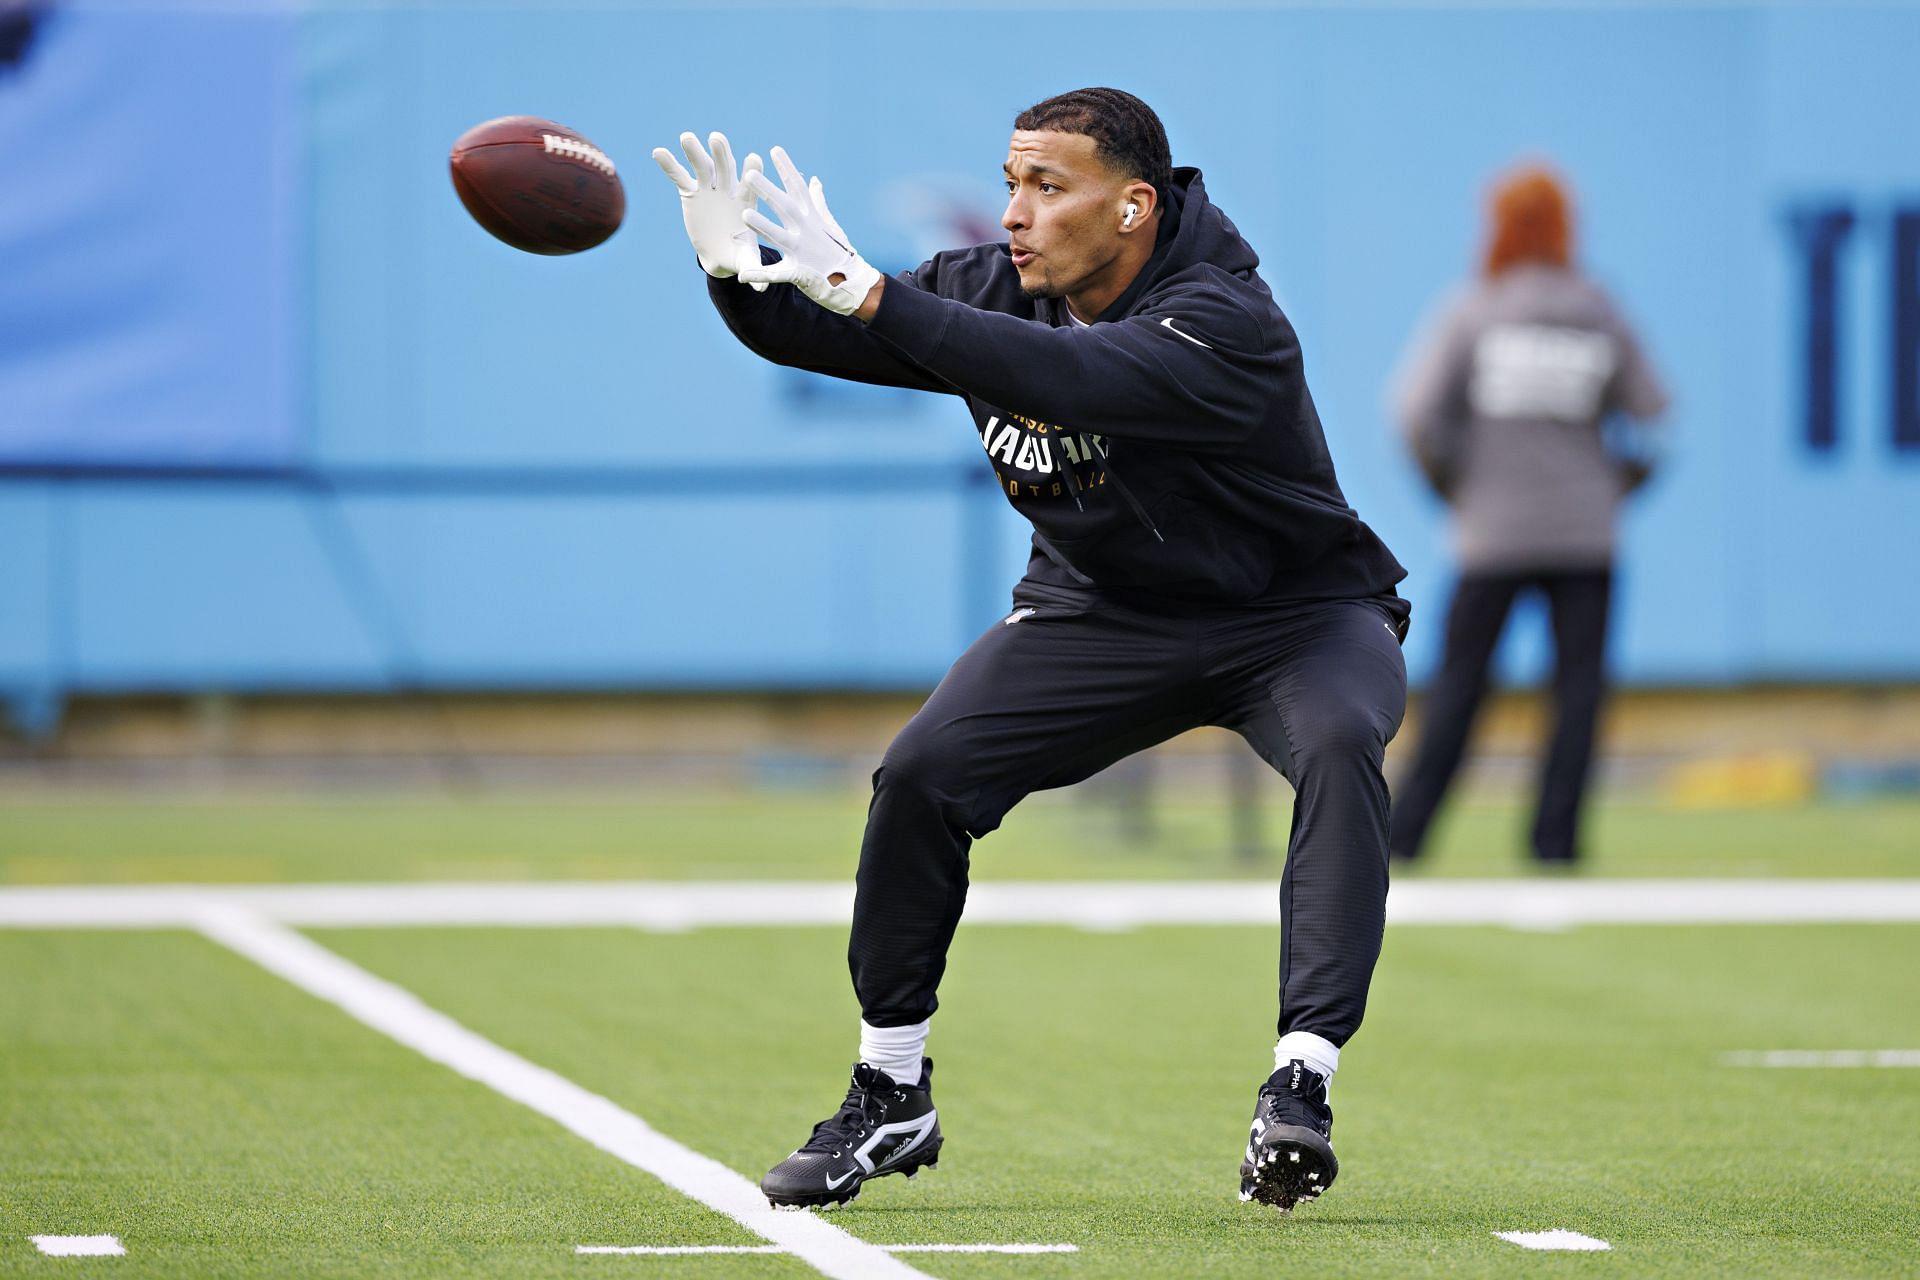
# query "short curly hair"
(1127, 136)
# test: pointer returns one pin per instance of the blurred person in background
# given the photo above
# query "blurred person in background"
(1510, 403)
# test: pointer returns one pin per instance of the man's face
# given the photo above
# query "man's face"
(1063, 212)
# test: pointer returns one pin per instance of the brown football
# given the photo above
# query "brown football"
(537, 185)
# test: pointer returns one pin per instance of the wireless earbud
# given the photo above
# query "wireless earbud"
(1133, 211)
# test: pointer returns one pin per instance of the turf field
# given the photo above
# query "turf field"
(90, 839)
(1094, 1087)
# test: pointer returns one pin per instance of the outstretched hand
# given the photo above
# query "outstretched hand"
(712, 199)
(817, 257)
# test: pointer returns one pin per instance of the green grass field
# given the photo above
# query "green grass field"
(727, 836)
(1094, 1087)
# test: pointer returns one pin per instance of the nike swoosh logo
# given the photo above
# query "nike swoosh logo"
(1189, 337)
(833, 1184)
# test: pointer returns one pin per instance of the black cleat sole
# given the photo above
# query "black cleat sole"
(1292, 1164)
(828, 1201)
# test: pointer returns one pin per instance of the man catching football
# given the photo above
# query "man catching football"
(1142, 400)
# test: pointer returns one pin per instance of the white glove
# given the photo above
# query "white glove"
(817, 259)
(711, 202)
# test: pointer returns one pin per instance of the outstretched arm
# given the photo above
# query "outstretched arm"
(782, 326)
(776, 324)
(1196, 370)
(1199, 370)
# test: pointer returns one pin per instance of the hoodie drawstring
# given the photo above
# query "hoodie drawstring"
(1125, 492)
(1073, 480)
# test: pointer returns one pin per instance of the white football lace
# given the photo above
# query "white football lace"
(560, 145)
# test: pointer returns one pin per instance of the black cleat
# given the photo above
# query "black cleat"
(1290, 1152)
(881, 1128)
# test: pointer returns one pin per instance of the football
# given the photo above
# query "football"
(537, 185)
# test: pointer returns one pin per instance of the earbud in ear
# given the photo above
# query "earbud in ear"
(1133, 211)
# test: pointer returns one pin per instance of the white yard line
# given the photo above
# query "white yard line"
(690, 1250)
(80, 1246)
(400, 1014)
(676, 1250)
(981, 1248)
(1822, 1058)
(679, 905)
(1557, 1239)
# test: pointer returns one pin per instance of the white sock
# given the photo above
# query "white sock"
(895, 1050)
(1319, 1053)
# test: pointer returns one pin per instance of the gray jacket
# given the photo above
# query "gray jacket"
(1503, 402)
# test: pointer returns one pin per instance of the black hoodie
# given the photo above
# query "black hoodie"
(1170, 450)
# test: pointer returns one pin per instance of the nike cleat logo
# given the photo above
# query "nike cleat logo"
(1168, 322)
(834, 1184)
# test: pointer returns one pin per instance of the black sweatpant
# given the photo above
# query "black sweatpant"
(1051, 696)
(1577, 602)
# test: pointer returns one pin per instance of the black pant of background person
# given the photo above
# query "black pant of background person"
(1577, 602)
(1055, 693)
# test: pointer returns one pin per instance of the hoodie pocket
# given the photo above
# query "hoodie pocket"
(1219, 559)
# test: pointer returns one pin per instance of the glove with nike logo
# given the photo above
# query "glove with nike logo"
(711, 202)
(816, 256)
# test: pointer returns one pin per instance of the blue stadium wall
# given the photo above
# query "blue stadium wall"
(275, 415)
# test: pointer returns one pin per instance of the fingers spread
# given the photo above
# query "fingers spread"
(789, 174)
(722, 157)
(818, 193)
(697, 159)
(783, 204)
(671, 167)
(832, 224)
(773, 231)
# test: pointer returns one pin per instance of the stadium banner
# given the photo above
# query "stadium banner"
(228, 240)
(150, 230)
(1749, 556)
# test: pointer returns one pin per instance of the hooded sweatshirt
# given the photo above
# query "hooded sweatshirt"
(1167, 453)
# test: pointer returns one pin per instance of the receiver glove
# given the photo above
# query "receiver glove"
(817, 259)
(711, 202)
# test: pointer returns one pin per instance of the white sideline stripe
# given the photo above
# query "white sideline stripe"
(80, 1246)
(981, 1248)
(672, 906)
(400, 1014)
(1567, 1241)
(1822, 1058)
(683, 1250)
(677, 1250)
